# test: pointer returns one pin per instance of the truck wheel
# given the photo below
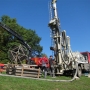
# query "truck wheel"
(79, 71)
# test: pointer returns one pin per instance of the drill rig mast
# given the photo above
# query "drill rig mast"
(54, 25)
(61, 42)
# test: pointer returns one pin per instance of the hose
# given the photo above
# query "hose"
(51, 80)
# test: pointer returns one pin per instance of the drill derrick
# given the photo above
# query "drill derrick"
(54, 25)
(61, 42)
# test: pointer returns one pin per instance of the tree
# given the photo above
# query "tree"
(43, 54)
(7, 40)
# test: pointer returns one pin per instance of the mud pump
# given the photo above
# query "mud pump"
(66, 60)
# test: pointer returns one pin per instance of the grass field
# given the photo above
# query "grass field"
(13, 83)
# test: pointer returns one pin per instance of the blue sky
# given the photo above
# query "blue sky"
(74, 17)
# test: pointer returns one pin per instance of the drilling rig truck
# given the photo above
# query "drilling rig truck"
(66, 60)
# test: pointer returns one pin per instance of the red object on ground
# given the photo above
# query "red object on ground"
(1, 64)
(1, 67)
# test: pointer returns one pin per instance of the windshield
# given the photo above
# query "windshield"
(85, 55)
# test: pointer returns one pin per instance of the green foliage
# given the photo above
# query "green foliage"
(7, 40)
(43, 54)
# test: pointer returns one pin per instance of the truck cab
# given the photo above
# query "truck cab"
(86, 56)
(86, 66)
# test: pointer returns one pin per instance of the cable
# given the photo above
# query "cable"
(50, 80)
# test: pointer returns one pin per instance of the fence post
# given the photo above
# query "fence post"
(22, 70)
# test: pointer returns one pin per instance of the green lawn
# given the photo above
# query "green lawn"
(13, 83)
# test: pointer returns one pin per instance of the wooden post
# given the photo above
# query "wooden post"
(22, 70)
(0, 70)
(38, 72)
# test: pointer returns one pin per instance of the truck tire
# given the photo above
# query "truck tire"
(79, 71)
